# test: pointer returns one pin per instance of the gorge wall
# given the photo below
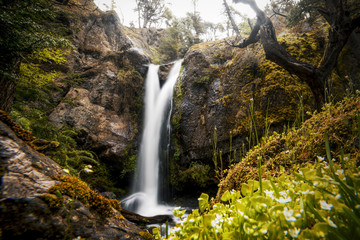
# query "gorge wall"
(107, 105)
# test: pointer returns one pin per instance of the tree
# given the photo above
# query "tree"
(149, 11)
(342, 24)
(212, 29)
(23, 32)
(231, 19)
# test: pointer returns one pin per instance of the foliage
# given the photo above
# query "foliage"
(316, 202)
(150, 11)
(197, 174)
(303, 195)
(31, 72)
(25, 29)
(179, 36)
(306, 10)
(299, 146)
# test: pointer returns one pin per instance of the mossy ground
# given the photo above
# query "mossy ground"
(298, 146)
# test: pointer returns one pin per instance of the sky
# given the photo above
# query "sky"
(210, 10)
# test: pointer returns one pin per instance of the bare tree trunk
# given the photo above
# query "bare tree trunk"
(341, 28)
(232, 21)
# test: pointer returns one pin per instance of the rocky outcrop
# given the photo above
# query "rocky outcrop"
(219, 86)
(106, 105)
(27, 175)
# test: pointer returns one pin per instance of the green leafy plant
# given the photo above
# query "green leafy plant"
(317, 201)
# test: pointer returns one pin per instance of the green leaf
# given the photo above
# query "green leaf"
(203, 202)
(207, 219)
(226, 196)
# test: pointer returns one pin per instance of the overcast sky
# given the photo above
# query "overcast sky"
(210, 10)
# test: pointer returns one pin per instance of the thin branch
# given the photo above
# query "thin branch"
(277, 13)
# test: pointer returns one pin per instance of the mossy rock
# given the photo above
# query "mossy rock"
(77, 189)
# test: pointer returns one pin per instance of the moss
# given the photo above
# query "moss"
(146, 235)
(18, 130)
(299, 146)
(128, 72)
(77, 189)
(53, 201)
(197, 174)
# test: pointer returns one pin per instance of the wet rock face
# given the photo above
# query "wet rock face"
(200, 112)
(25, 176)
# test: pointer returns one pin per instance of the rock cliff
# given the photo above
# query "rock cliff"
(107, 105)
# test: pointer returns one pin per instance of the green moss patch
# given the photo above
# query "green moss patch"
(77, 189)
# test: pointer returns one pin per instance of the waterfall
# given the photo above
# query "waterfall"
(158, 101)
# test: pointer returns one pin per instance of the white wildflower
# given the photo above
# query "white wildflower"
(283, 193)
(88, 169)
(305, 192)
(339, 172)
(294, 232)
(331, 223)
(320, 158)
(324, 205)
(289, 215)
(269, 193)
(283, 200)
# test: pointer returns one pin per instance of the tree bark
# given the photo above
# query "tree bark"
(341, 27)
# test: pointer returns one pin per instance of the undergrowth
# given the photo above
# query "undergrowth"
(308, 188)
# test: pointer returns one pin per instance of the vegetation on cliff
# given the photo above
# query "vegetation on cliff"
(308, 189)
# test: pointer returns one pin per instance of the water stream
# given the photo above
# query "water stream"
(158, 104)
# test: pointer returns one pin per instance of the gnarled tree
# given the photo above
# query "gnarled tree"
(342, 24)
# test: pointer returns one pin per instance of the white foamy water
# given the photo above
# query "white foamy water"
(157, 102)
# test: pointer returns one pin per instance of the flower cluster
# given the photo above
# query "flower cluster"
(318, 201)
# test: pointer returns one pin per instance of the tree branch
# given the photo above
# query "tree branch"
(277, 13)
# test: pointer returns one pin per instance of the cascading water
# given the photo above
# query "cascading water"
(157, 103)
